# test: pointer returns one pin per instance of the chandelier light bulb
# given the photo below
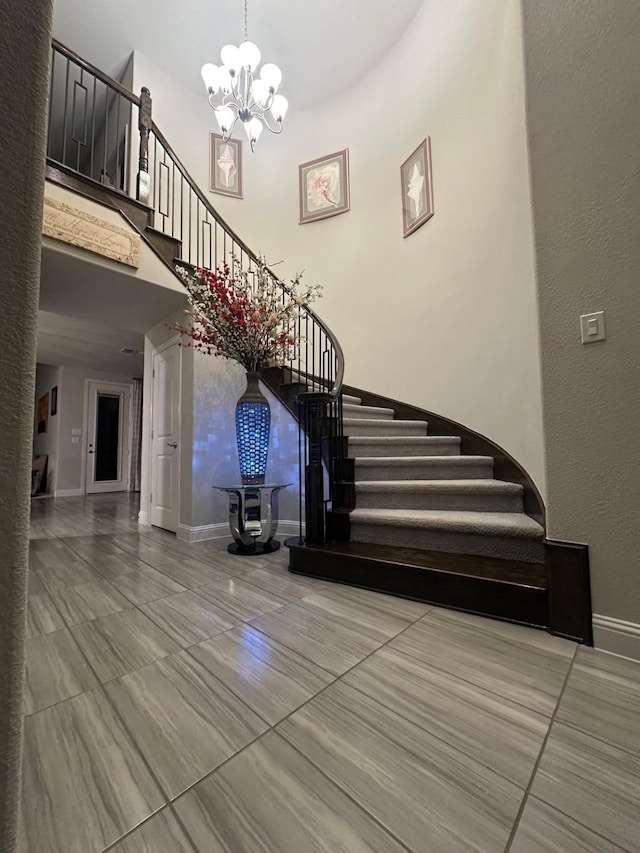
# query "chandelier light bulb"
(271, 75)
(225, 119)
(279, 107)
(230, 56)
(211, 77)
(253, 129)
(249, 54)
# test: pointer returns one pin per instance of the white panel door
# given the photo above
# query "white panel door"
(165, 436)
(108, 427)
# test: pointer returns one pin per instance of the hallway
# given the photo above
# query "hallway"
(181, 699)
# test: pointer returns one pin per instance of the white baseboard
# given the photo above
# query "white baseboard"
(288, 527)
(67, 493)
(205, 531)
(616, 636)
(143, 518)
(221, 530)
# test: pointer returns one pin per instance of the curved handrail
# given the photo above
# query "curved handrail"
(82, 63)
(335, 389)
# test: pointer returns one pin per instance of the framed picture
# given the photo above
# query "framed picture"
(42, 413)
(417, 188)
(225, 166)
(324, 186)
(54, 400)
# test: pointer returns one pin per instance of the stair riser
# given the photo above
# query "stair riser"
(460, 501)
(527, 550)
(424, 471)
(382, 428)
(374, 451)
(516, 603)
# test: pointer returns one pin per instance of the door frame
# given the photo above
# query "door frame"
(155, 351)
(125, 433)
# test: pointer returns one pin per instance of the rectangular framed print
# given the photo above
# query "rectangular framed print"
(324, 186)
(225, 166)
(417, 188)
(42, 413)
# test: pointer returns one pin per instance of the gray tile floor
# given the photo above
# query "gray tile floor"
(180, 699)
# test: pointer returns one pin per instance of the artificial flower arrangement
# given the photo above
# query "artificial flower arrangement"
(244, 315)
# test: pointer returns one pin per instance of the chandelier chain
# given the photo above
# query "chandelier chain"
(245, 20)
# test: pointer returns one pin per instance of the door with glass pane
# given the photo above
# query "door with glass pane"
(108, 427)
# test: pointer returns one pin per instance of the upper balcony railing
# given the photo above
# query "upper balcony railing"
(91, 122)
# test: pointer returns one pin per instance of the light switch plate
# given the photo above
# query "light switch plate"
(592, 327)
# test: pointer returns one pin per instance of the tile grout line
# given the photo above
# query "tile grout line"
(473, 684)
(543, 746)
(134, 744)
(168, 800)
(272, 728)
(601, 739)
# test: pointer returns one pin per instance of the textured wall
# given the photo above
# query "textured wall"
(218, 385)
(583, 85)
(24, 46)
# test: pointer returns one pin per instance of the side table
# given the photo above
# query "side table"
(253, 517)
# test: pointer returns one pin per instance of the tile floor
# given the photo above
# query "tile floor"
(180, 699)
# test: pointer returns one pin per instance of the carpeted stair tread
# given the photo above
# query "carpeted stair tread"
(513, 524)
(347, 398)
(353, 410)
(377, 426)
(369, 468)
(474, 495)
(478, 486)
(403, 445)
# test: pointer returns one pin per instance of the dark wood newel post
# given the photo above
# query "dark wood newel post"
(314, 406)
(144, 126)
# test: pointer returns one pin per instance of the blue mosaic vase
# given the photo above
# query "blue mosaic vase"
(253, 422)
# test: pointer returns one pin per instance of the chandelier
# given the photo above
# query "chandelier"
(236, 93)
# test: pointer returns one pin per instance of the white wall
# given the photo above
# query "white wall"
(445, 319)
(47, 378)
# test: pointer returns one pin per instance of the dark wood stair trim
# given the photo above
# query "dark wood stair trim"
(472, 444)
(432, 577)
(138, 215)
(570, 613)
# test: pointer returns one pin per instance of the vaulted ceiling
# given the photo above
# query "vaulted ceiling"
(322, 46)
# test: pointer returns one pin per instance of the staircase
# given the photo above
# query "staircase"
(419, 491)
(416, 505)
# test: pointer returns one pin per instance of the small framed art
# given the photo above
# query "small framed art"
(417, 188)
(324, 186)
(42, 413)
(54, 400)
(225, 166)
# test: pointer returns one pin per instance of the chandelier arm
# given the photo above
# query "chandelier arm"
(227, 136)
(265, 120)
(222, 106)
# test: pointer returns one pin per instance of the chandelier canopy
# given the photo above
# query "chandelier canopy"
(235, 92)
